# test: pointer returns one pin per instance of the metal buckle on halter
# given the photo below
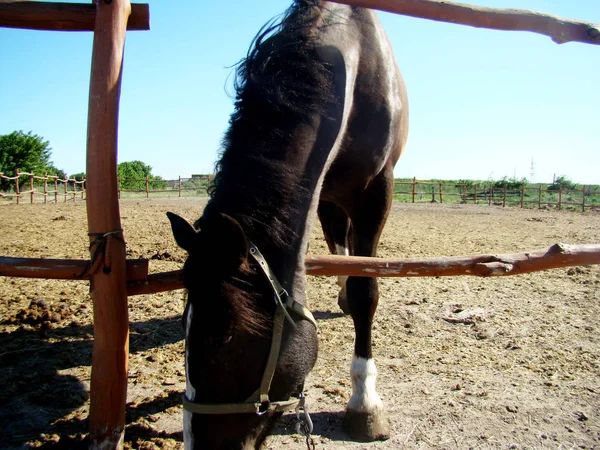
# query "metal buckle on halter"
(280, 295)
(303, 426)
(262, 408)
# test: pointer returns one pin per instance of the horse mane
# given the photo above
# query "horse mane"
(279, 84)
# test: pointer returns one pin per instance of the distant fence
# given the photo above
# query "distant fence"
(51, 187)
(415, 191)
(481, 193)
(181, 187)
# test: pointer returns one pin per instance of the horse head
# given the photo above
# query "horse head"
(235, 389)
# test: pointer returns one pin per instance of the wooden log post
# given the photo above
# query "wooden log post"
(491, 194)
(441, 194)
(32, 194)
(522, 196)
(74, 191)
(147, 193)
(45, 187)
(65, 188)
(179, 186)
(414, 188)
(55, 189)
(17, 186)
(108, 387)
(583, 199)
(540, 196)
(504, 197)
(475, 192)
(559, 197)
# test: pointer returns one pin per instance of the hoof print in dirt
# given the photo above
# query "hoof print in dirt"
(367, 427)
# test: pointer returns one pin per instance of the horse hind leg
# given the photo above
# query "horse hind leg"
(336, 227)
(365, 417)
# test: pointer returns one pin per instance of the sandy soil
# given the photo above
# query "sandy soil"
(525, 374)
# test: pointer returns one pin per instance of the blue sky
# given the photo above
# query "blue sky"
(483, 103)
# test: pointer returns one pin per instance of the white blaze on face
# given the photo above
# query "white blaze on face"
(190, 392)
(364, 375)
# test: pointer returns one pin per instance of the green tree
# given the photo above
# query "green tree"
(511, 184)
(132, 175)
(78, 176)
(27, 152)
(563, 181)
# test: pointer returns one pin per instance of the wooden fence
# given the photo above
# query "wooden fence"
(415, 191)
(109, 20)
(196, 185)
(39, 185)
(500, 195)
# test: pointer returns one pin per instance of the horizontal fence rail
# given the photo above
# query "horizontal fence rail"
(139, 282)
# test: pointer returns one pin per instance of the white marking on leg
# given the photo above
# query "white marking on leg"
(364, 375)
(190, 392)
(342, 250)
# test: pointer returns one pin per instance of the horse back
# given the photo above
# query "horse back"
(374, 128)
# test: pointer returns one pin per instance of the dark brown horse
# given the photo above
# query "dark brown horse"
(320, 119)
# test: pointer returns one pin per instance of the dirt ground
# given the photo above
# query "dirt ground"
(524, 374)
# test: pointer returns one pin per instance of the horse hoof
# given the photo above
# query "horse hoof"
(343, 302)
(367, 426)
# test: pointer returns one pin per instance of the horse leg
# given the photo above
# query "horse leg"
(365, 417)
(336, 225)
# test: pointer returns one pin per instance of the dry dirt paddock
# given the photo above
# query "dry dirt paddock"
(525, 374)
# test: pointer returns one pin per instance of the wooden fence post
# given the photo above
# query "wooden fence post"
(66, 188)
(17, 186)
(147, 193)
(55, 189)
(31, 187)
(475, 191)
(414, 188)
(491, 194)
(108, 386)
(559, 196)
(540, 196)
(441, 194)
(504, 197)
(45, 188)
(522, 195)
(180, 186)
(74, 191)
(583, 199)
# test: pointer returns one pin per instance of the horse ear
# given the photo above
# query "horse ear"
(185, 235)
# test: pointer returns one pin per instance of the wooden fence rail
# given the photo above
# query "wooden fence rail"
(139, 282)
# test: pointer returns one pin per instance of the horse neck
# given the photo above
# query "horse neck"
(275, 202)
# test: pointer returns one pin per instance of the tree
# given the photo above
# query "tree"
(78, 176)
(24, 151)
(132, 175)
(563, 181)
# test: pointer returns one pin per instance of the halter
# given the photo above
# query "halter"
(259, 403)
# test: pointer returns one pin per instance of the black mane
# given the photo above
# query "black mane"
(280, 84)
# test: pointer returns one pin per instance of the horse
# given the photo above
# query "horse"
(319, 121)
